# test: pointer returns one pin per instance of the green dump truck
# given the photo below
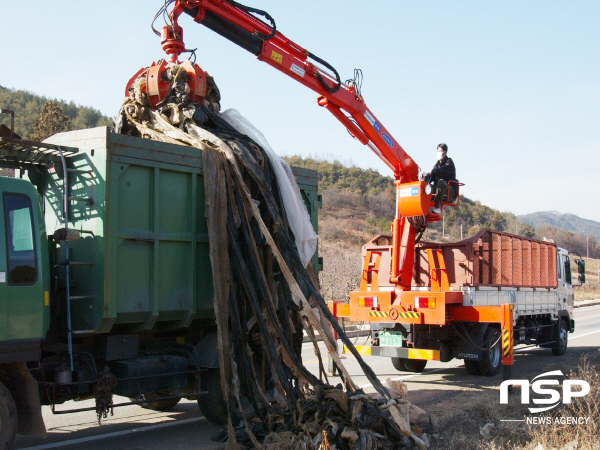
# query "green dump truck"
(105, 278)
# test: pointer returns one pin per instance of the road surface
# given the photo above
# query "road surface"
(132, 427)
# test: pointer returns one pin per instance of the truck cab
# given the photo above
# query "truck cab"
(564, 289)
(563, 272)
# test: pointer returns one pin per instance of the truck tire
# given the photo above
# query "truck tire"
(492, 357)
(398, 364)
(472, 367)
(212, 404)
(414, 365)
(159, 405)
(560, 348)
(8, 418)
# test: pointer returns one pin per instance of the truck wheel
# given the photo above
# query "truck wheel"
(160, 405)
(212, 404)
(560, 348)
(492, 357)
(414, 365)
(398, 364)
(8, 418)
(472, 367)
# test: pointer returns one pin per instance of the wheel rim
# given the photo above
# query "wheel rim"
(563, 338)
(494, 352)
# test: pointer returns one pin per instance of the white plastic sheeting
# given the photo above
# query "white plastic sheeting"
(306, 238)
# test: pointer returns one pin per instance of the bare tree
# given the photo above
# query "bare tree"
(51, 121)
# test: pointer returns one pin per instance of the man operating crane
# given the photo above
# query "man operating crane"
(443, 172)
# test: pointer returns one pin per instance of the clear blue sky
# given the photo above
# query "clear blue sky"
(512, 87)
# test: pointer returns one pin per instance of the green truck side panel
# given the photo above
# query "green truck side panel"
(145, 232)
(308, 184)
(23, 312)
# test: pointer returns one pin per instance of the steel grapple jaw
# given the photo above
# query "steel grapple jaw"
(169, 82)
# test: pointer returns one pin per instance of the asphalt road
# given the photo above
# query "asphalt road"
(132, 427)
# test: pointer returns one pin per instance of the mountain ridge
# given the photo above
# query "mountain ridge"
(564, 221)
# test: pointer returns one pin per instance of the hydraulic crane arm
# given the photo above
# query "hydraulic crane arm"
(236, 23)
(239, 24)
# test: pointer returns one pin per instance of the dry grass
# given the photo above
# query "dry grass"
(343, 229)
(591, 287)
(341, 271)
(350, 233)
(581, 436)
(460, 428)
(351, 219)
(589, 291)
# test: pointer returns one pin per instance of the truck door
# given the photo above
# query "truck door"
(22, 283)
(563, 271)
(560, 275)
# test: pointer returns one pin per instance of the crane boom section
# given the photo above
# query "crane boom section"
(230, 20)
(239, 24)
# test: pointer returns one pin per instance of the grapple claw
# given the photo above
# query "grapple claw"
(171, 82)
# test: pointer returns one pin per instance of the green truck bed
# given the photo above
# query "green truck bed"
(144, 262)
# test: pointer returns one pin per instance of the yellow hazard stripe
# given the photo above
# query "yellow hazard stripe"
(379, 314)
(361, 349)
(414, 353)
(506, 342)
(409, 315)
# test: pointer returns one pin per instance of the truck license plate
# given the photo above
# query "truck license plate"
(390, 339)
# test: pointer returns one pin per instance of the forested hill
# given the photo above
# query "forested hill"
(28, 106)
(337, 175)
(359, 203)
(567, 222)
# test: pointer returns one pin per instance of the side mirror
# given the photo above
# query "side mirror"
(581, 266)
(581, 278)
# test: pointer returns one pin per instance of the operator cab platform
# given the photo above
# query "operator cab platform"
(451, 198)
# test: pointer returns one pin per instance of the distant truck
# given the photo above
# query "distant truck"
(472, 300)
(105, 277)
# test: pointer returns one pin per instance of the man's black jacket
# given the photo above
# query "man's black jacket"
(444, 170)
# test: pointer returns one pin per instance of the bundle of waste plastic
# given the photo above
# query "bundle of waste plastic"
(265, 293)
